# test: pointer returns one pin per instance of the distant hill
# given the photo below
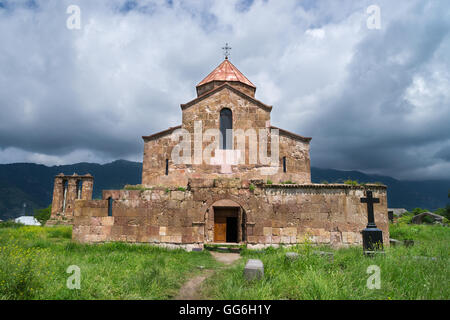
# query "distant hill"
(33, 184)
(427, 194)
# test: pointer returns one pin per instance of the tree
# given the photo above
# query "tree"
(42, 215)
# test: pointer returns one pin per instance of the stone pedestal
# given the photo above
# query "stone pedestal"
(254, 269)
(372, 239)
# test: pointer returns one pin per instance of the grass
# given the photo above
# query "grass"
(405, 274)
(136, 187)
(34, 260)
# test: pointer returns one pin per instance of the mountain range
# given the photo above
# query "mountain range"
(32, 184)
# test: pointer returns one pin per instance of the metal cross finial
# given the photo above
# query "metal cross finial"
(226, 50)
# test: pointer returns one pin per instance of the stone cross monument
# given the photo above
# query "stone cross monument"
(372, 236)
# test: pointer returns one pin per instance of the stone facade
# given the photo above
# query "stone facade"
(269, 214)
(189, 204)
(248, 114)
(66, 190)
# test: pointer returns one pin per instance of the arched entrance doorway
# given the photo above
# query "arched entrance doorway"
(226, 222)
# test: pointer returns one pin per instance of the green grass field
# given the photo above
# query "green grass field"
(405, 273)
(34, 260)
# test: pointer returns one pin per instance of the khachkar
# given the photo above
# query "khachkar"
(372, 236)
(66, 190)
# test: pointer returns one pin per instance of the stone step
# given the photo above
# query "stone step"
(234, 248)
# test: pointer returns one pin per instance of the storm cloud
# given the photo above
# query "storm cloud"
(376, 100)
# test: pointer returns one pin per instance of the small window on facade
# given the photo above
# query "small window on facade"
(226, 124)
(167, 167)
(110, 201)
(79, 188)
(65, 187)
(284, 164)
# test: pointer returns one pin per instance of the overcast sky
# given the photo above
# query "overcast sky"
(375, 100)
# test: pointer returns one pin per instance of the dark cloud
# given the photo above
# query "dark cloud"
(443, 154)
(373, 100)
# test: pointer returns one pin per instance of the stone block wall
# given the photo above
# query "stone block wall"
(247, 115)
(274, 214)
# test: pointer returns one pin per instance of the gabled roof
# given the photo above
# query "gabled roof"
(228, 86)
(226, 71)
(292, 135)
(161, 133)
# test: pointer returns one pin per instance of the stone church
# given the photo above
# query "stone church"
(225, 175)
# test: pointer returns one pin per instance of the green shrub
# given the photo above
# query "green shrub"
(445, 212)
(22, 271)
(181, 189)
(351, 182)
(10, 224)
(252, 187)
(60, 232)
(417, 211)
(42, 215)
(269, 181)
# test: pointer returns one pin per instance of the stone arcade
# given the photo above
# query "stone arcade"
(192, 203)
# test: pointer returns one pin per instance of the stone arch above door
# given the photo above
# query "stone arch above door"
(229, 209)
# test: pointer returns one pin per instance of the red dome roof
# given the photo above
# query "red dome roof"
(226, 71)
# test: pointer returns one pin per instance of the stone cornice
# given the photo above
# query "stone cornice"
(160, 134)
(292, 135)
(324, 186)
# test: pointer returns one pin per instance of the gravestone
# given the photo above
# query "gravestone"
(408, 242)
(292, 256)
(329, 255)
(395, 242)
(372, 236)
(254, 269)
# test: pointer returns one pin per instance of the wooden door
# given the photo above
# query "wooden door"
(220, 229)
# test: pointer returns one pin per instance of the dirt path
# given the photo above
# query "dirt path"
(191, 289)
(226, 258)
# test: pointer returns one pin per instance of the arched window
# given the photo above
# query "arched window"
(226, 122)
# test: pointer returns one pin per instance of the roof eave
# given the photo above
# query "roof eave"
(225, 85)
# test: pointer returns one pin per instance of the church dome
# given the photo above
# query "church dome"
(226, 72)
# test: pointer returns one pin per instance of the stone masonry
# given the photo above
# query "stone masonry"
(273, 214)
(66, 190)
(193, 203)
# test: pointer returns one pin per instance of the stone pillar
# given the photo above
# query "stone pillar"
(88, 185)
(71, 195)
(58, 194)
